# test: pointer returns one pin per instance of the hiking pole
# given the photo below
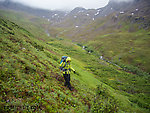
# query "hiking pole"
(77, 73)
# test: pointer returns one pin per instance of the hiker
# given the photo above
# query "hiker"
(65, 66)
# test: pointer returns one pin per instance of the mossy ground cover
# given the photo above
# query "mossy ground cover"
(32, 82)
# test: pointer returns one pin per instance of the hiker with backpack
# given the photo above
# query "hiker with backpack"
(65, 66)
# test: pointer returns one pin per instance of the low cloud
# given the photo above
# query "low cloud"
(63, 4)
(66, 4)
(123, 0)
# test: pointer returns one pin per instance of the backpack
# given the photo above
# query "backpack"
(63, 59)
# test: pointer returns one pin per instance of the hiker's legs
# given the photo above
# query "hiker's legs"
(65, 77)
(67, 80)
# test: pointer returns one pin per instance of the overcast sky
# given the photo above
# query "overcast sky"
(65, 4)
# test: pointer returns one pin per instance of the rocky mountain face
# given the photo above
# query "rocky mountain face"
(83, 23)
(136, 10)
(80, 16)
(79, 19)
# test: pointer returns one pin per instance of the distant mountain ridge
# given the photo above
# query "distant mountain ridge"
(85, 14)
(81, 17)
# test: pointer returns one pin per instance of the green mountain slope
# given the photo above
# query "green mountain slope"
(31, 81)
(121, 36)
(123, 39)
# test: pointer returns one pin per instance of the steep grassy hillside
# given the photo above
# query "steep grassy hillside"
(30, 78)
(31, 81)
(37, 26)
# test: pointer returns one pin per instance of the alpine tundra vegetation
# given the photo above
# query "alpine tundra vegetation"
(109, 49)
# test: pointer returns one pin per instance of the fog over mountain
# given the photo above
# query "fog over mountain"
(122, 0)
(66, 4)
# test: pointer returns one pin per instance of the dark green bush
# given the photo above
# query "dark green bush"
(39, 47)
